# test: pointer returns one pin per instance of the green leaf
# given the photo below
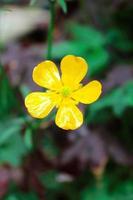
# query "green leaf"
(118, 100)
(28, 138)
(88, 43)
(13, 151)
(124, 191)
(63, 5)
(95, 194)
(69, 47)
(120, 40)
(88, 35)
(22, 196)
(49, 146)
(97, 60)
(12, 147)
(24, 90)
(11, 197)
(48, 179)
(9, 127)
(6, 93)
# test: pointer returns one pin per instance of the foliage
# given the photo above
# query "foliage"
(6, 93)
(39, 160)
(12, 146)
(117, 100)
(82, 43)
(63, 5)
(21, 196)
(123, 191)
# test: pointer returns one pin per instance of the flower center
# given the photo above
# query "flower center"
(65, 91)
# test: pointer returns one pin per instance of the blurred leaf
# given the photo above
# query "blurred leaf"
(22, 196)
(88, 35)
(28, 138)
(24, 90)
(95, 194)
(101, 190)
(124, 191)
(69, 47)
(11, 197)
(88, 43)
(13, 151)
(119, 40)
(118, 100)
(48, 179)
(63, 5)
(9, 127)
(97, 61)
(50, 147)
(6, 93)
(12, 148)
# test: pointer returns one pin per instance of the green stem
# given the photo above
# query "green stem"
(51, 28)
(49, 56)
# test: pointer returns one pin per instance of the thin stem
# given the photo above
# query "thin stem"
(51, 29)
(49, 56)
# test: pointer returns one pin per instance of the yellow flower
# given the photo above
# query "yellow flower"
(63, 92)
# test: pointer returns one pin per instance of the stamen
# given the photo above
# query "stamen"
(65, 91)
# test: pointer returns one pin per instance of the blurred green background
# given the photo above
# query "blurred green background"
(39, 161)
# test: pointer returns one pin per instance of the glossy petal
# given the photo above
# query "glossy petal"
(47, 75)
(73, 70)
(68, 116)
(89, 93)
(40, 104)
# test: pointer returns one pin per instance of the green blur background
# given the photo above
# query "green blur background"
(39, 161)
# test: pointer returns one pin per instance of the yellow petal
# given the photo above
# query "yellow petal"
(47, 75)
(68, 116)
(73, 70)
(89, 93)
(40, 104)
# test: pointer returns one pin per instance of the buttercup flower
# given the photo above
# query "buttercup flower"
(63, 92)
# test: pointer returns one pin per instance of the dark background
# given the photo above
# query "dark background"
(45, 162)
